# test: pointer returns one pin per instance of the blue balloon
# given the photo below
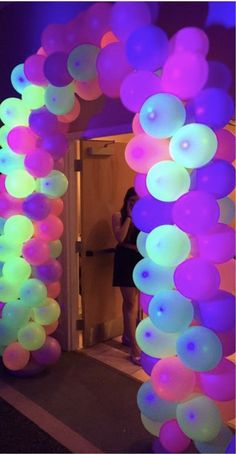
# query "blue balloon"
(18, 78)
(231, 446)
(152, 406)
(149, 213)
(149, 277)
(217, 177)
(148, 362)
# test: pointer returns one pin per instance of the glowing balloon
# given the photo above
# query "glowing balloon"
(144, 301)
(108, 38)
(8, 247)
(49, 353)
(142, 152)
(16, 270)
(162, 115)
(56, 144)
(217, 178)
(128, 17)
(219, 76)
(170, 311)
(167, 245)
(55, 248)
(55, 69)
(13, 112)
(82, 62)
(199, 418)
(59, 100)
(15, 357)
(147, 48)
(197, 279)
(227, 210)
(57, 206)
(172, 438)
(49, 329)
(184, 74)
(88, 89)
(50, 228)
(8, 291)
(213, 107)
(8, 333)
(10, 161)
(218, 445)
(154, 342)
(196, 212)
(43, 122)
(19, 227)
(217, 313)
(147, 362)
(4, 131)
(136, 125)
(167, 181)
(54, 290)
(19, 183)
(191, 39)
(33, 293)
(140, 184)
(218, 245)
(149, 213)
(54, 184)
(36, 251)
(49, 271)
(193, 145)
(39, 164)
(226, 145)
(53, 38)
(137, 87)
(18, 78)
(72, 115)
(33, 96)
(48, 313)
(149, 277)
(21, 139)
(219, 383)
(231, 446)
(31, 336)
(152, 406)
(16, 314)
(199, 348)
(33, 69)
(141, 243)
(111, 74)
(151, 426)
(9, 205)
(97, 20)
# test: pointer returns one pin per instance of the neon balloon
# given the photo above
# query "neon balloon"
(8, 247)
(55, 69)
(10, 161)
(55, 248)
(199, 348)
(19, 227)
(217, 313)
(82, 62)
(39, 163)
(36, 251)
(16, 270)
(36, 206)
(8, 291)
(167, 181)
(217, 245)
(151, 426)
(18, 78)
(13, 112)
(49, 353)
(193, 145)
(144, 301)
(8, 333)
(149, 213)
(218, 445)
(170, 311)
(218, 383)
(56, 144)
(141, 243)
(16, 313)
(48, 313)
(154, 342)
(147, 362)
(15, 357)
(59, 100)
(149, 277)
(33, 293)
(88, 89)
(31, 336)
(143, 151)
(152, 406)
(33, 69)
(33, 96)
(190, 39)
(19, 183)
(217, 178)
(50, 228)
(49, 271)
(43, 122)
(167, 245)
(162, 115)
(137, 87)
(226, 145)
(54, 184)
(21, 139)
(219, 76)
(172, 438)
(128, 17)
(140, 184)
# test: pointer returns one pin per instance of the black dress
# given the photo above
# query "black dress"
(125, 260)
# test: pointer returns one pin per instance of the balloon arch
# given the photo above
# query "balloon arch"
(183, 158)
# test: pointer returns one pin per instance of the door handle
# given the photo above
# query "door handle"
(92, 253)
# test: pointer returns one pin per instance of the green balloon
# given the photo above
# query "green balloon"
(8, 290)
(55, 248)
(34, 96)
(48, 313)
(4, 130)
(13, 112)
(199, 418)
(19, 227)
(54, 184)
(33, 293)
(86, 56)
(16, 270)
(19, 183)
(16, 314)
(8, 247)
(167, 181)
(10, 161)
(8, 333)
(31, 336)
(59, 100)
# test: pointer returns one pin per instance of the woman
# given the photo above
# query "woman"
(126, 257)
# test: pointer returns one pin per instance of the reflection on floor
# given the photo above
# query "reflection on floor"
(114, 354)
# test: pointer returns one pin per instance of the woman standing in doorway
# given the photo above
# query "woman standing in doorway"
(126, 257)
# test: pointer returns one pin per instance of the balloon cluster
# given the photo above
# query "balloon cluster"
(183, 156)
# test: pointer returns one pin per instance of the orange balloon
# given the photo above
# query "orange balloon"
(72, 115)
(227, 276)
(41, 51)
(108, 38)
(57, 206)
(88, 90)
(15, 357)
(227, 409)
(54, 289)
(49, 329)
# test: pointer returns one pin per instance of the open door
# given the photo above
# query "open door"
(105, 178)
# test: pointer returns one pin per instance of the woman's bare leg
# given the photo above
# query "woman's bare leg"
(130, 312)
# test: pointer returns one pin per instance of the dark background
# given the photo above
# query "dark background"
(22, 23)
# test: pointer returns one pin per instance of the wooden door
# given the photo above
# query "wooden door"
(105, 178)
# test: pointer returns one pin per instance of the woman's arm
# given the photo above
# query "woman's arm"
(120, 231)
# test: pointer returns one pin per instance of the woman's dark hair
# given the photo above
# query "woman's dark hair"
(130, 193)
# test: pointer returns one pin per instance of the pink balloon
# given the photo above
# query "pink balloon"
(49, 353)
(39, 164)
(9, 205)
(88, 90)
(219, 383)
(36, 251)
(143, 151)
(184, 74)
(33, 69)
(57, 206)
(50, 229)
(217, 245)
(172, 438)
(2, 183)
(226, 145)
(140, 184)
(54, 289)
(22, 140)
(137, 87)
(191, 39)
(97, 21)
(136, 125)
(15, 357)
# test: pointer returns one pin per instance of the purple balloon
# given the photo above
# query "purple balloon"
(137, 87)
(56, 144)
(219, 383)
(147, 48)
(43, 122)
(196, 212)
(148, 362)
(48, 272)
(227, 339)
(197, 279)
(149, 213)
(33, 69)
(217, 313)
(226, 145)
(55, 69)
(231, 448)
(219, 76)
(49, 353)
(36, 206)
(128, 17)
(39, 163)
(218, 245)
(140, 184)
(217, 178)
(212, 107)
